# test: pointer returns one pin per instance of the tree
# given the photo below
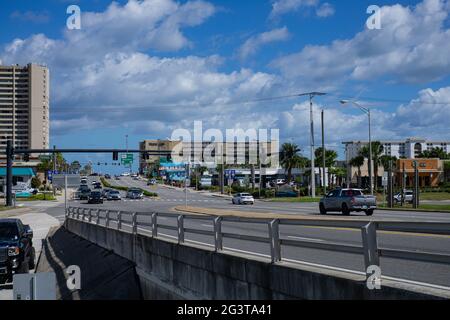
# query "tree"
(35, 182)
(358, 162)
(45, 166)
(289, 158)
(434, 153)
(330, 159)
(377, 151)
(385, 159)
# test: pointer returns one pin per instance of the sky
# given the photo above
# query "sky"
(147, 68)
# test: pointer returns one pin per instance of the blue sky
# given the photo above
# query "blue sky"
(146, 68)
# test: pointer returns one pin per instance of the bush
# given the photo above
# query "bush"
(35, 182)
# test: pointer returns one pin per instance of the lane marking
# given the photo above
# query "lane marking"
(307, 239)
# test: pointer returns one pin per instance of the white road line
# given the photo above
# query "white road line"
(307, 239)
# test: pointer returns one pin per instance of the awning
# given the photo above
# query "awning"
(18, 172)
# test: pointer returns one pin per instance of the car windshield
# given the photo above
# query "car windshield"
(245, 195)
(96, 194)
(8, 232)
(113, 192)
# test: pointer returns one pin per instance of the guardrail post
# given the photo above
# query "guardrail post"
(98, 216)
(78, 213)
(275, 244)
(90, 215)
(107, 219)
(218, 243)
(180, 223)
(84, 214)
(154, 225)
(134, 222)
(370, 246)
(119, 220)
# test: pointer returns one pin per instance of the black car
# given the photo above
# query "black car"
(95, 197)
(84, 192)
(17, 254)
(97, 185)
(107, 176)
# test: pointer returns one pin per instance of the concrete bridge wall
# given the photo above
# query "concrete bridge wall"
(167, 270)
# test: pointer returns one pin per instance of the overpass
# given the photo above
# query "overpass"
(168, 265)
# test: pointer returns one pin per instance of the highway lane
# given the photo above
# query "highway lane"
(416, 271)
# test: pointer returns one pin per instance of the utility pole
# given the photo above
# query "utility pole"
(9, 163)
(311, 116)
(54, 170)
(323, 156)
(416, 185)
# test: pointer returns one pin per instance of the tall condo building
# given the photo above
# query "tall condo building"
(24, 107)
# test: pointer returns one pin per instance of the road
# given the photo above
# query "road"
(433, 274)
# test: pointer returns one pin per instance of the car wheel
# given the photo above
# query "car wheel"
(369, 212)
(322, 209)
(345, 210)
(32, 261)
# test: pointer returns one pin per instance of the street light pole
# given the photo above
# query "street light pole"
(370, 166)
(311, 116)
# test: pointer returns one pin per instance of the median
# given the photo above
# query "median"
(106, 184)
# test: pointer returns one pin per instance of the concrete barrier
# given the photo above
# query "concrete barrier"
(168, 270)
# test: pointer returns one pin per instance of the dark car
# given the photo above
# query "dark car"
(17, 254)
(135, 193)
(107, 176)
(97, 185)
(84, 192)
(95, 197)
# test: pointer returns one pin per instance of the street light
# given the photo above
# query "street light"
(367, 111)
(313, 167)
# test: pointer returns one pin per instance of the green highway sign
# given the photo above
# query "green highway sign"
(126, 158)
(44, 157)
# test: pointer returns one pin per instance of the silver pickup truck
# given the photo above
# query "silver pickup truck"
(346, 201)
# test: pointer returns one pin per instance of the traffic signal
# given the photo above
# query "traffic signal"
(26, 157)
(115, 156)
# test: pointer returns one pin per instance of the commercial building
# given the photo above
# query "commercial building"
(198, 152)
(431, 172)
(24, 107)
(409, 149)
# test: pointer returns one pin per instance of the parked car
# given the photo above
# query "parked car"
(113, 195)
(17, 254)
(408, 197)
(346, 201)
(95, 197)
(134, 193)
(107, 176)
(243, 198)
(117, 177)
(151, 182)
(105, 193)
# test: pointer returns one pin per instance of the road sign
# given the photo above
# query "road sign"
(385, 179)
(126, 158)
(44, 157)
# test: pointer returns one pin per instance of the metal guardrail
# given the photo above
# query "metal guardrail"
(369, 248)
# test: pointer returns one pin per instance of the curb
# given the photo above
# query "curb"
(413, 210)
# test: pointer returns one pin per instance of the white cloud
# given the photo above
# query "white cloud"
(281, 7)
(412, 46)
(253, 44)
(325, 10)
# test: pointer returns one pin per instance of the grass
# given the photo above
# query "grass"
(38, 197)
(435, 196)
(294, 200)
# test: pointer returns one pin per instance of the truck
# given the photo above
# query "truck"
(347, 201)
(17, 254)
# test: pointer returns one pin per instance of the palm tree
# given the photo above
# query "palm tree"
(377, 151)
(385, 160)
(358, 162)
(289, 158)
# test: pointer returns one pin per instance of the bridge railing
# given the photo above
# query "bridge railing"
(151, 224)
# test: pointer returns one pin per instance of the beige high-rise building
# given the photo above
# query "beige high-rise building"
(24, 107)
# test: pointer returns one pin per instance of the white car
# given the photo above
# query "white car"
(243, 198)
(125, 174)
